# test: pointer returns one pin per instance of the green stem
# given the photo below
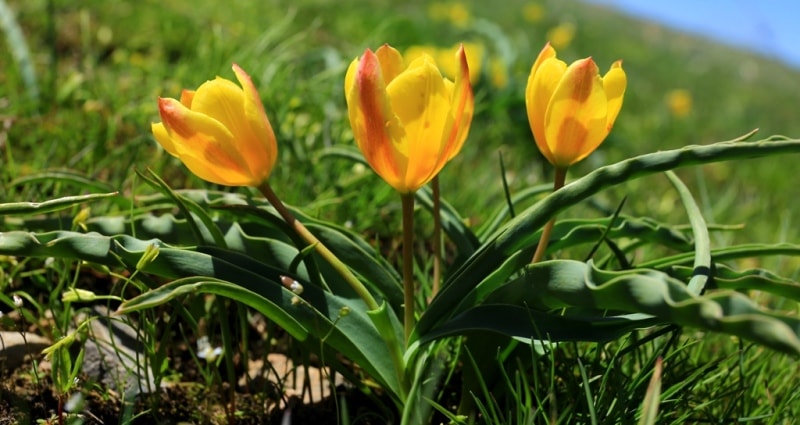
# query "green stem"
(408, 264)
(437, 237)
(395, 349)
(321, 249)
(558, 183)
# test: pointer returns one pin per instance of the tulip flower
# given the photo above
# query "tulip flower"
(571, 109)
(407, 120)
(220, 131)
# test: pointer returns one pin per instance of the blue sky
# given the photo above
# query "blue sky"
(770, 27)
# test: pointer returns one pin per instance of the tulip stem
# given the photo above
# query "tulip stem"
(408, 264)
(437, 237)
(558, 183)
(321, 249)
(395, 349)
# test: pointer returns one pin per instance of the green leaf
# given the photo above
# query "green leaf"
(316, 311)
(725, 277)
(727, 253)
(210, 285)
(702, 242)
(564, 284)
(20, 208)
(453, 225)
(519, 235)
(209, 232)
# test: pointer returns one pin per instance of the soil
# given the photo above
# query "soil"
(28, 399)
(27, 393)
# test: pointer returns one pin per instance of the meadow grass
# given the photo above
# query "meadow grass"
(101, 65)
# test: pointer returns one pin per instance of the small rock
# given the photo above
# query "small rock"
(311, 384)
(114, 356)
(15, 346)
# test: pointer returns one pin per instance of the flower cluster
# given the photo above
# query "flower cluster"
(407, 118)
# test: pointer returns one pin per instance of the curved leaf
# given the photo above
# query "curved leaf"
(702, 242)
(315, 314)
(19, 208)
(520, 233)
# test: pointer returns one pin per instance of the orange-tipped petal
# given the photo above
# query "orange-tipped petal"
(463, 105)
(375, 127)
(391, 62)
(614, 83)
(575, 123)
(261, 153)
(542, 83)
(186, 98)
(547, 52)
(204, 145)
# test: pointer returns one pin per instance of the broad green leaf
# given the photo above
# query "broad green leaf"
(520, 233)
(354, 335)
(725, 277)
(566, 284)
(211, 285)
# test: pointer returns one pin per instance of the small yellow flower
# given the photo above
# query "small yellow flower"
(561, 35)
(679, 102)
(533, 12)
(498, 73)
(459, 14)
(407, 120)
(571, 109)
(220, 131)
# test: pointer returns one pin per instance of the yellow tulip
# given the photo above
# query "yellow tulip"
(408, 121)
(220, 131)
(679, 102)
(571, 109)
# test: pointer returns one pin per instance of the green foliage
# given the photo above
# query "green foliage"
(640, 271)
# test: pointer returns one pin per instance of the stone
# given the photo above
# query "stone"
(16, 346)
(114, 355)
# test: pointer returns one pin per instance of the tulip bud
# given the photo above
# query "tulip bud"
(571, 109)
(220, 132)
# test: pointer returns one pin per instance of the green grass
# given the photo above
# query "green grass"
(101, 65)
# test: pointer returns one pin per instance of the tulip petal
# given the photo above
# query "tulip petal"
(203, 144)
(262, 152)
(614, 83)
(186, 98)
(225, 101)
(349, 79)
(376, 130)
(462, 105)
(547, 52)
(163, 138)
(421, 102)
(575, 123)
(391, 62)
(542, 83)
